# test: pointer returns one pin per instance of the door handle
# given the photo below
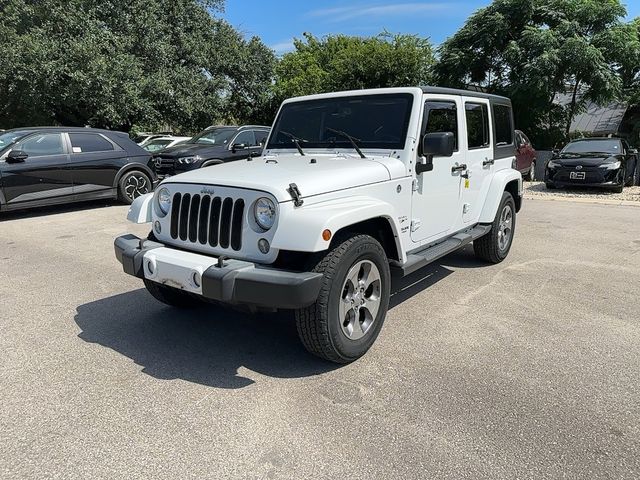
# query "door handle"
(488, 162)
(459, 168)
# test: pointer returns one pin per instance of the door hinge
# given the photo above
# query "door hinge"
(466, 208)
(414, 185)
(415, 224)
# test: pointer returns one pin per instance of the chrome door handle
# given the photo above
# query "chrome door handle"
(488, 162)
(459, 168)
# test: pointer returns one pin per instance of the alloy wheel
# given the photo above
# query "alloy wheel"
(360, 299)
(505, 227)
(136, 184)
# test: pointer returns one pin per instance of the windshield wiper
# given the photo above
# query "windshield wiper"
(350, 138)
(296, 141)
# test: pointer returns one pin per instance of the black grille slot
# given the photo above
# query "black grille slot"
(215, 222)
(225, 221)
(184, 216)
(193, 218)
(236, 224)
(205, 219)
(203, 228)
(175, 215)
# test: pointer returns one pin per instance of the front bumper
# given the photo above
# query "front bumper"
(235, 282)
(591, 177)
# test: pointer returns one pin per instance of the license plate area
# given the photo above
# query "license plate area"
(577, 175)
(176, 269)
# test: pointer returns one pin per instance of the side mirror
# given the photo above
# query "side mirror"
(238, 146)
(16, 156)
(633, 151)
(439, 144)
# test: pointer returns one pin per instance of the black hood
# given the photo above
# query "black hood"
(192, 149)
(586, 160)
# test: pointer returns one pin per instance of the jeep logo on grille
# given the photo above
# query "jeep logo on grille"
(207, 191)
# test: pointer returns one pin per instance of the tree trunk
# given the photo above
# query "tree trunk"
(572, 107)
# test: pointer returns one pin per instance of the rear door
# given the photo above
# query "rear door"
(95, 160)
(436, 196)
(43, 175)
(479, 157)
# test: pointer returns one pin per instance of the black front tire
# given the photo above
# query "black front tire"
(320, 326)
(171, 296)
(490, 247)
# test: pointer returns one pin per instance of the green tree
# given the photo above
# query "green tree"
(340, 62)
(123, 64)
(534, 50)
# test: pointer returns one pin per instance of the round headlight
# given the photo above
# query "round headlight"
(164, 201)
(265, 213)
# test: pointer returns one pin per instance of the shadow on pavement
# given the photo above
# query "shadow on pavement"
(209, 344)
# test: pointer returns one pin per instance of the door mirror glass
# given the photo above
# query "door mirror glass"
(633, 151)
(16, 156)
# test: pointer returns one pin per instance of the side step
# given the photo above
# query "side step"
(421, 258)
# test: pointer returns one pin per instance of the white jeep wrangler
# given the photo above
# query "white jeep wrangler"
(352, 189)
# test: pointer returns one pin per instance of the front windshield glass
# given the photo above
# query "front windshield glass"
(214, 136)
(611, 145)
(155, 145)
(374, 121)
(7, 138)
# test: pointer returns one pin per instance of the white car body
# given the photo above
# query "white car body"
(338, 192)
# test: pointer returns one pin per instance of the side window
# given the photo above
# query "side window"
(504, 126)
(89, 142)
(42, 144)
(477, 125)
(245, 138)
(441, 116)
(261, 137)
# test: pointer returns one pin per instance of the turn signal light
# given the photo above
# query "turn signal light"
(326, 235)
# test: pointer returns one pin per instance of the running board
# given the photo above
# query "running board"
(422, 258)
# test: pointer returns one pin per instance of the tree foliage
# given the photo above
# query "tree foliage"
(341, 62)
(534, 50)
(119, 64)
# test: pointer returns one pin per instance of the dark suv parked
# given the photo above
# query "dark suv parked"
(216, 144)
(51, 165)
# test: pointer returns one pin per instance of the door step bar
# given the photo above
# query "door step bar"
(421, 258)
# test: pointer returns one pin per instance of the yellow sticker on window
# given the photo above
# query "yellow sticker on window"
(466, 183)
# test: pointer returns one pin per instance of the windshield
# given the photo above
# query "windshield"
(7, 138)
(373, 121)
(155, 145)
(214, 136)
(611, 146)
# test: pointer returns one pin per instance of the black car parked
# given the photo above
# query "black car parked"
(215, 145)
(52, 165)
(593, 162)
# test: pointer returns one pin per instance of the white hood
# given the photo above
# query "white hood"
(274, 174)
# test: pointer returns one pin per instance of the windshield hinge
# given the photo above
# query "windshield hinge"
(295, 194)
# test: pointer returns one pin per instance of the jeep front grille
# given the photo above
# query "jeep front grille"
(208, 220)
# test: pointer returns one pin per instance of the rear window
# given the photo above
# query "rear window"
(504, 125)
(89, 142)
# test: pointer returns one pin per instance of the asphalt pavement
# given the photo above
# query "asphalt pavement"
(527, 369)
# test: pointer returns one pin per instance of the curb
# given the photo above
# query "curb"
(600, 201)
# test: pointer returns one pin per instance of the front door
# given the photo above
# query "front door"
(43, 175)
(244, 146)
(436, 197)
(479, 158)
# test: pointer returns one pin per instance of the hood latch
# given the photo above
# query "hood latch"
(295, 194)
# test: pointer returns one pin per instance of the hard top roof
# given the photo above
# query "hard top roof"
(466, 93)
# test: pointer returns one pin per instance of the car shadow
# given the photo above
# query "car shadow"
(56, 209)
(210, 345)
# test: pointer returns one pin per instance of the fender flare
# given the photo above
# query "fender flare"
(140, 209)
(498, 185)
(300, 228)
(133, 166)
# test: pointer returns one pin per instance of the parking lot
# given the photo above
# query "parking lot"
(526, 369)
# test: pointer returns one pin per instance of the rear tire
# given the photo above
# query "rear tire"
(350, 310)
(531, 174)
(133, 184)
(171, 296)
(495, 245)
(549, 185)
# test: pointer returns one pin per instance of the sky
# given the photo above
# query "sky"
(278, 22)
